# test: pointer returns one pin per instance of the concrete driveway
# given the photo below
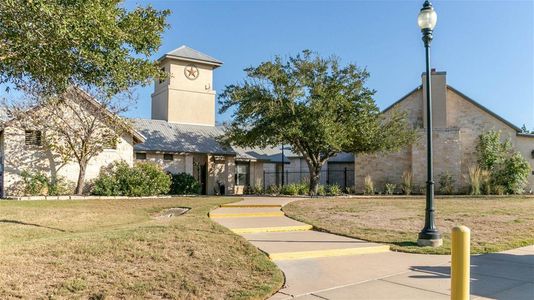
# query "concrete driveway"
(319, 265)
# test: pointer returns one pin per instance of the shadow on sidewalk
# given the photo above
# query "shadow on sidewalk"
(495, 275)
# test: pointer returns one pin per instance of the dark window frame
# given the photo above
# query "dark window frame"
(168, 156)
(140, 155)
(33, 138)
(242, 178)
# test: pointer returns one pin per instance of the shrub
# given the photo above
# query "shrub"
(389, 188)
(273, 189)
(184, 184)
(303, 188)
(290, 189)
(334, 190)
(61, 186)
(369, 188)
(35, 183)
(321, 190)
(508, 168)
(143, 179)
(446, 183)
(485, 180)
(407, 182)
(350, 190)
(499, 190)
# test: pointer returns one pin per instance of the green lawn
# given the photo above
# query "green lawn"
(496, 224)
(119, 249)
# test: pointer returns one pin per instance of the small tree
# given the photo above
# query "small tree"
(508, 168)
(316, 106)
(76, 127)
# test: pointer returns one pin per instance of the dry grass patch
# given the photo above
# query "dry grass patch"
(117, 249)
(497, 224)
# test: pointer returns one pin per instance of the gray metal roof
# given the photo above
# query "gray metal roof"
(172, 137)
(162, 136)
(189, 54)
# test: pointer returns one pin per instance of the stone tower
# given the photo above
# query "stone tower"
(187, 95)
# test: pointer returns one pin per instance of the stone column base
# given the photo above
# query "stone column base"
(430, 243)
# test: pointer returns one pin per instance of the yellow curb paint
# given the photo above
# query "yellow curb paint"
(248, 215)
(328, 253)
(272, 229)
(251, 205)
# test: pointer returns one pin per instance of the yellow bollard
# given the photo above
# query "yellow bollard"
(461, 263)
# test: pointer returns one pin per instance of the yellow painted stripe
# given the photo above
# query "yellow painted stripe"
(328, 253)
(273, 229)
(248, 215)
(251, 205)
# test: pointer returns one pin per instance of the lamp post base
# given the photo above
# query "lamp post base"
(430, 242)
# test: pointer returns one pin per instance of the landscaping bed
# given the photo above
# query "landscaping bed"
(116, 248)
(497, 223)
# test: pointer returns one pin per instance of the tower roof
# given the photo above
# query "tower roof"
(188, 54)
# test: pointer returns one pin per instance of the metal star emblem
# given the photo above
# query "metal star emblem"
(191, 72)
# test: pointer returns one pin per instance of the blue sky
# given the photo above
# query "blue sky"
(486, 47)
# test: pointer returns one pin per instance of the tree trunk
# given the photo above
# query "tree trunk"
(315, 179)
(81, 179)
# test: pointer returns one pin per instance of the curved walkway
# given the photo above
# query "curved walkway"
(320, 265)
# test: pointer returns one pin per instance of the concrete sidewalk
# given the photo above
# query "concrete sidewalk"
(319, 265)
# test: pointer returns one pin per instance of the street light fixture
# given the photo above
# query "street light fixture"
(430, 235)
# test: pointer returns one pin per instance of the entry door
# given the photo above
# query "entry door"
(203, 178)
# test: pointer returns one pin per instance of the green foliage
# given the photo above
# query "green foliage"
(143, 179)
(446, 183)
(273, 189)
(35, 183)
(369, 188)
(304, 188)
(290, 189)
(513, 174)
(184, 184)
(315, 105)
(475, 179)
(407, 182)
(491, 151)
(321, 190)
(334, 189)
(39, 184)
(508, 168)
(389, 188)
(51, 44)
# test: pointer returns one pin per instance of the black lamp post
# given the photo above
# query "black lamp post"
(430, 235)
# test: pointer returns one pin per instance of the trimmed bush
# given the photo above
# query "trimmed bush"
(273, 189)
(321, 190)
(143, 179)
(184, 184)
(290, 189)
(334, 189)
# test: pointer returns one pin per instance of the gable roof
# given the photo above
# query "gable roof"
(189, 54)
(138, 138)
(468, 99)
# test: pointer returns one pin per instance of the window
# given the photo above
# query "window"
(32, 138)
(139, 155)
(241, 174)
(168, 156)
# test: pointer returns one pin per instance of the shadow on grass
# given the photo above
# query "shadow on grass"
(31, 224)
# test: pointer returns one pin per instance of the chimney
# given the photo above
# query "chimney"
(439, 99)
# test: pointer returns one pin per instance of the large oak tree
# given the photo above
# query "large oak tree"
(316, 106)
(48, 45)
